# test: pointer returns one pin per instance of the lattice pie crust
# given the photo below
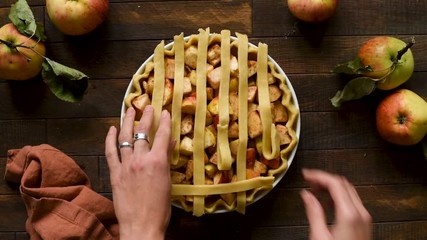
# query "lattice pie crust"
(233, 118)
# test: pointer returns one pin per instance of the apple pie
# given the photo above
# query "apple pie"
(235, 118)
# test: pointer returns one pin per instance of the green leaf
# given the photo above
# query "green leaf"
(66, 83)
(354, 67)
(22, 17)
(354, 89)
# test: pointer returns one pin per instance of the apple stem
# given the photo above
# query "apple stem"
(15, 46)
(405, 49)
(7, 43)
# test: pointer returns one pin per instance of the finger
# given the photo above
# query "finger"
(315, 215)
(335, 186)
(111, 152)
(144, 126)
(125, 134)
(163, 134)
(358, 203)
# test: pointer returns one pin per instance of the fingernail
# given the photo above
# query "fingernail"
(130, 110)
(305, 194)
(111, 129)
(165, 113)
(148, 108)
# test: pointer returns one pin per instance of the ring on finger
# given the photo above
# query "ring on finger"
(141, 136)
(125, 144)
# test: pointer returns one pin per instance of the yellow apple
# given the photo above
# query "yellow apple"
(312, 11)
(77, 17)
(381, 54)
(401, 118)
(17, 60)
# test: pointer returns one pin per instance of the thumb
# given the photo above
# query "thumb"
(315, 216)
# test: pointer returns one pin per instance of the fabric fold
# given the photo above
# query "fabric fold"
(58, 196)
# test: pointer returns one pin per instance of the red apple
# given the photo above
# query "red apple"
(77, 17)
(381, 54)
(401, 118)
(312, 11)
(17, 60)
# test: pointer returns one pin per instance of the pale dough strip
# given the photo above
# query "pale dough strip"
(224, 154)
(270, 139)
(199, 121)
(243, 113)
(239, 186)
(177, 95)
(159, 85)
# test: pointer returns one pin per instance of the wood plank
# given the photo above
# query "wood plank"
(6, 187)
(7, 235)
(376, 17)
(300, 55)
(339, 130)
(22, 236)
(13, 213)
(18, 133)
(314, 91)
(100, 59)
(103, 99)
(391, 165)
(79, 136)
(159, 19)
(413, 230)
(295, 55)
(386, 203)
(385, 231)
(104, 176)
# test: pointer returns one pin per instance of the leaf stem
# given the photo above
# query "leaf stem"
(404, 50)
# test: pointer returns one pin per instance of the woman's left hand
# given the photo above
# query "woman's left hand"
(141, 181)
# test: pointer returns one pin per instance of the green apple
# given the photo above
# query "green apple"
(21, 57)
(401, 118)
(382, 55)
(312, 11)
(77, 17)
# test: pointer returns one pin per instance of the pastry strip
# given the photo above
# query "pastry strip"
(199, 121)
(243, 114)
(177, 95)
(224, 154)
(239, 186)
(270, 139)
(159, 85)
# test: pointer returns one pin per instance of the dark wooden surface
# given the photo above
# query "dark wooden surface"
(391, 180)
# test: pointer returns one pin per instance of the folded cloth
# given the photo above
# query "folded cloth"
(58, 196)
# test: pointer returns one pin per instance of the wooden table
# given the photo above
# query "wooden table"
(391, 180)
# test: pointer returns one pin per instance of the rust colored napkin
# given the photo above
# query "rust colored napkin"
(57, 194)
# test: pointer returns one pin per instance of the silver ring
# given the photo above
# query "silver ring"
(141, 136)
(126, 144)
